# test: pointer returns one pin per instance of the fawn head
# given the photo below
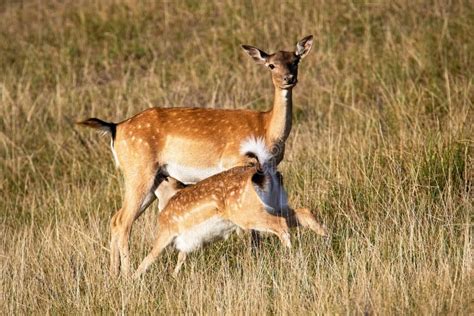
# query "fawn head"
(283, 65)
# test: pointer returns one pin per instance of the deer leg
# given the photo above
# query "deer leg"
(255, 240)
(114, 251)
(139, 195)
(121, 227)
(179, 263)
(303, 217)
(164, 238)
(264, 222)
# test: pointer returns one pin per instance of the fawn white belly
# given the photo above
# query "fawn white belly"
(205, 232)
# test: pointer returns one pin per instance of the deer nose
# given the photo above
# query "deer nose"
(289, 79)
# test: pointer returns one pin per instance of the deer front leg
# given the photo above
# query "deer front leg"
(303, 217)
(264, 222)
(255, 241)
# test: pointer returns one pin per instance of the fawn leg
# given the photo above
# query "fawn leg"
(179, 263)
(265, 222)
(163, 239)
(303, 217)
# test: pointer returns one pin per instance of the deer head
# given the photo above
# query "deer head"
(283, 65)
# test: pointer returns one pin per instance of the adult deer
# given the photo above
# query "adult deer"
(191, 144)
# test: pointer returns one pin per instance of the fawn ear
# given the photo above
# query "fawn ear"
(303, 47)
(260, 57)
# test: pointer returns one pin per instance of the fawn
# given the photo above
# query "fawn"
(246, 197)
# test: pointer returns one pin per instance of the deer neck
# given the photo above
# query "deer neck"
(279, 124)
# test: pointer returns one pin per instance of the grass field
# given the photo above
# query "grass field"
(381, 148)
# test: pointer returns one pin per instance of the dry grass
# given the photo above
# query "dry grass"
(382, 146)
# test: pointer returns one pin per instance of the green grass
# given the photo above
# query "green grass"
(381, 150)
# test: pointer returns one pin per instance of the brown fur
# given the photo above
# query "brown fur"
(230, 195)
(193, 137)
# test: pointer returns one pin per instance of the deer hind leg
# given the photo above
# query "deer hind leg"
(164, 238)
(303, 217)
(181, 259)
(114, 251)
(139, 187)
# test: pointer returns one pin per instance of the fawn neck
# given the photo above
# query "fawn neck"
(279, 125)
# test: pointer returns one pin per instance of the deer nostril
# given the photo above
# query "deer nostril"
(289, 78)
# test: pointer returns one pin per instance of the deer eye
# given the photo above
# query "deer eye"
(271, 66)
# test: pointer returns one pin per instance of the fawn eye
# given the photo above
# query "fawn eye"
(271, 66)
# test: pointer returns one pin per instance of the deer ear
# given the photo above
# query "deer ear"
(303, 47)
(260, 57)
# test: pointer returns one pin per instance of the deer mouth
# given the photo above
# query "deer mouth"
(289, 85)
